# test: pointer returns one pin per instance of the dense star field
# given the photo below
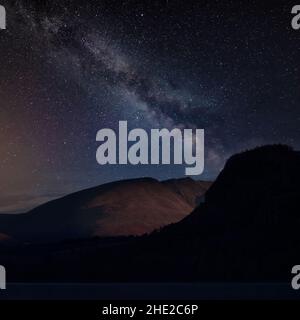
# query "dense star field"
(68, 70)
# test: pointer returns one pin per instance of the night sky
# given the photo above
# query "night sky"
(68, 70)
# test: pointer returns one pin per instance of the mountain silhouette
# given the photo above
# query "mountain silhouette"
(248, 227)
(245, 230)
(123, 208)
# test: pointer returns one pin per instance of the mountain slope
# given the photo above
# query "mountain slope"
(130, 207)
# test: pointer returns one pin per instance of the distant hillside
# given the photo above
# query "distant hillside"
(130, 207)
